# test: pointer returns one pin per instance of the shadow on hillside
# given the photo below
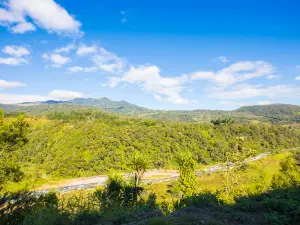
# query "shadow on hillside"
(281, 206)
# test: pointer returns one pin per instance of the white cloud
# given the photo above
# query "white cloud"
(46, 14)
(11, 84)
(246, 91)
(17, 51)
(53, 95)
(22, 28)
(7, 17)
(90, 69)
(13, 61)
(86, 50)
(297, 78)
(264, 103)
(65, 95)
(236, 73)
(76, 69)
(298, 67)
(113, 82)
(19, 98)
(65, 49)
(232, 103)
(272, 76)
(162, 88)
(57, 59)
(224, 59)
(108, 61)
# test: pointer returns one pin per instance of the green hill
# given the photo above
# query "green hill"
(277, 113)
(87, 142)
(274, 112)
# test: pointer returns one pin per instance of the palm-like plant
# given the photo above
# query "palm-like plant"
(140, 165)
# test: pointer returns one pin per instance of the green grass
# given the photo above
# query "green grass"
(212, 182)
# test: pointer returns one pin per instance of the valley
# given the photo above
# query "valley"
(151, 169)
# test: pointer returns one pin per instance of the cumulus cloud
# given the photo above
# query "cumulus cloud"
(236, 73)
(86, 50)
(11, 61)
(247, 91)
(65, 49)
(10, 84)
(223, 59)
(22, 28)
(272, 76)
(19, 98)
(162, 88)
(264, 103)
(90, 69)
(113, 82)
(233, 103)
(46, 14)
(65, 95)
(108, 61)
(17, 51)
(76, 69)
(6, 98)
(57, 59)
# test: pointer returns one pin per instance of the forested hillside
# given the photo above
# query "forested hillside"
(277, 113)
(86, 142)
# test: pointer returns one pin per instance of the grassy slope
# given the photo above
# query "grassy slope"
(211, 182)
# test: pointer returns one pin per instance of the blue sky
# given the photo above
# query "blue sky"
(157, 54)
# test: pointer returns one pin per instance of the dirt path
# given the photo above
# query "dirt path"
(153, 176)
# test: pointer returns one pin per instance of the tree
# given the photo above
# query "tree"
(233, 165)
(140, 165)
(289, 174)
(187, 180)
(12, 137)
(220, 121)
(297, 157)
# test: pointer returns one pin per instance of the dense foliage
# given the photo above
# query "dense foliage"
(74, 143)
(114, 204)
(87, 142)
(13, 136)
(187, 180)
(276, 113)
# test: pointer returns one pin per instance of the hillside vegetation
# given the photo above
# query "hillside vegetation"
(276, 113)
(84, 142)
(87, 142)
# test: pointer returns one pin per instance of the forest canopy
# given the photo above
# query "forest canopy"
(88, 142)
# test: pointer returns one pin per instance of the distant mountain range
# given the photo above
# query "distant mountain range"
(278, 113)
(103, 103)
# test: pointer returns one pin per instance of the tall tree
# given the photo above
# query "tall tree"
(187, 180)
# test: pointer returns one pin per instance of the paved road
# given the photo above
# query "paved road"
(167, 175)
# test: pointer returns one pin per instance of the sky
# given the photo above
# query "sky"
(157, 54)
